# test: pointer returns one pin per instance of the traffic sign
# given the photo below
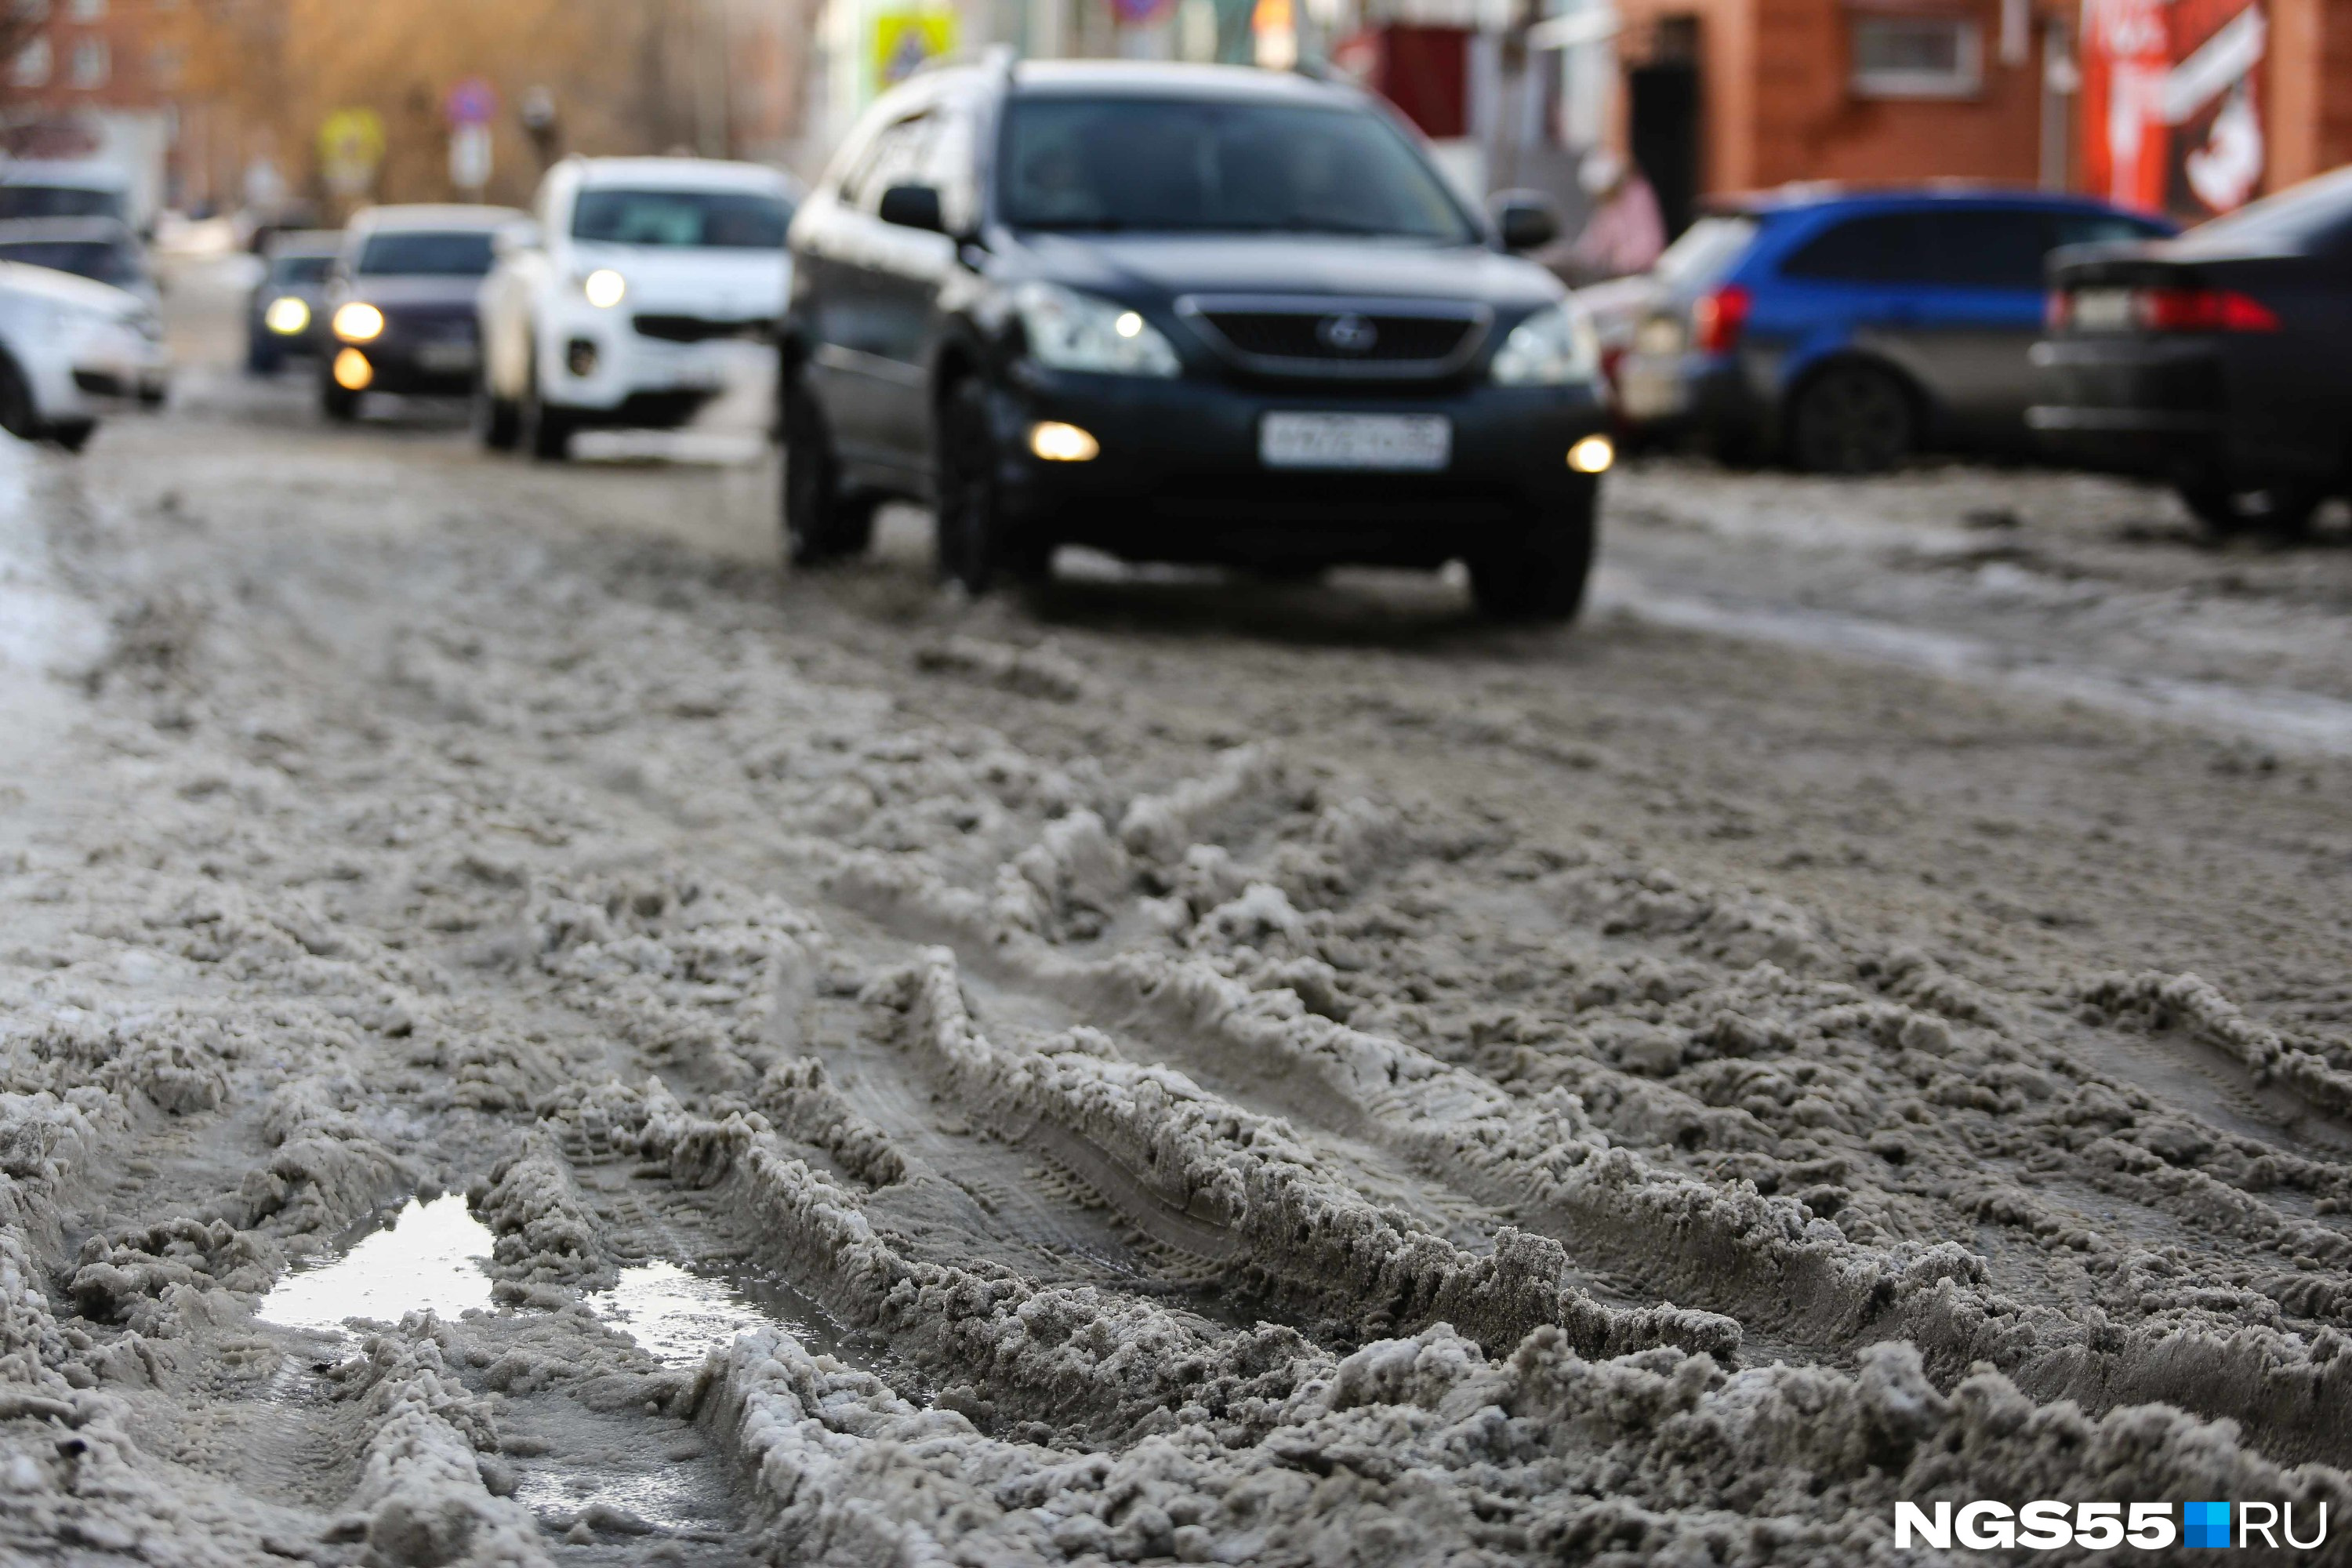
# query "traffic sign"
(472, 101)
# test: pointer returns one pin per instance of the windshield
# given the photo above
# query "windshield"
(59, 201)
(1190, 166)
(1705, 252)
(420, 253)
(297, 270)
(82, 258)
(717, 220)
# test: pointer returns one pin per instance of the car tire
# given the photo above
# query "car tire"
(71, 434)
(1538, 573)
(1852, 419)
(16, 415)
(978, 543)
(2282, 509)
(821, 523)
(541, 429)
(261, 360)
(338, 404)
(498, 421)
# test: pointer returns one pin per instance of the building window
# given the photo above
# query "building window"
(90, 63)
(86, 10)
(32, 65)
(1916, 57)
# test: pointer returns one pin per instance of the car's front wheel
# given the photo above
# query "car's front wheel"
(340, 403)
(978, 542)
(498, 421)
(542, 428)
(1852, 419)
(1538, 571)
(2282, 507)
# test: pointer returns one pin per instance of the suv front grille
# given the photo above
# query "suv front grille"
(1382, 339)
(701, 329)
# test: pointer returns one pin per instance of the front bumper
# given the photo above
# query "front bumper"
(121, 363)
(1179, 476)
(649, 367)
(440, 367)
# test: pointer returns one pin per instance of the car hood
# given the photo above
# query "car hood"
(394, 288)
(65, 289)
(729, 284)
(1169, 266)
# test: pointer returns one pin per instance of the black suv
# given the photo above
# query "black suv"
(1182, 313)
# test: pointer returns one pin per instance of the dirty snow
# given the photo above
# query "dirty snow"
(528, 1037)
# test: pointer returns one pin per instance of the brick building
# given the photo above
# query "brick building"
(1723, 95)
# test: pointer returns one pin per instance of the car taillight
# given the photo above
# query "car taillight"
(2057, 309)
(2200, 310)
(1717, 318)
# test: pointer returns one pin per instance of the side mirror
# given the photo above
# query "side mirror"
(514, 239)
(912, 206)
(1525, 220)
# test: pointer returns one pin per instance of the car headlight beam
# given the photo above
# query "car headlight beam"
(286, 315)
(1552, 348)
(1070, 330)
(604, 287)
(358, 322)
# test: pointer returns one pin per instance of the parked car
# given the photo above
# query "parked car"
(2217, 361)
(1187, 313)
(286, 314)
(64, 187)
(1846, 330)
(100, 248)
(69, 350)
(652, 286)
(401, 303)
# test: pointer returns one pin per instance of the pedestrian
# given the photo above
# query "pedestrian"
(1625, 234)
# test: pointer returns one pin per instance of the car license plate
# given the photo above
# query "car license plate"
(1659, 335)
(446, 356)
(1647, 389)
(2102, 310)
(1421, 443)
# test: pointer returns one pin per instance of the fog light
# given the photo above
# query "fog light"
(359, 324)
(352, 371)
(1592, 455)
(1059, 443)
(579, 357)
(285, 316)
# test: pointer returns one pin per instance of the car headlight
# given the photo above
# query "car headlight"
(286, 315)
(1070, 330)
(1552, 348)
(146, 323)
(604, 287)
(358, 322)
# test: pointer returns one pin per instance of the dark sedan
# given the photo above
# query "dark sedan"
(1183, 313)
(2217, 361)
(286, 314)
(400, 302)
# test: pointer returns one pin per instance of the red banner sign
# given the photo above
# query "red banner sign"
(2172, 103)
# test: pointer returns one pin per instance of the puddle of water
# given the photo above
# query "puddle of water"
(678, 1316)
(431, 1257)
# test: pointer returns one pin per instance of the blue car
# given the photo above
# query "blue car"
(1844, 330)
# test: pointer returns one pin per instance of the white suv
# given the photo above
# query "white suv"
(645, 288)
